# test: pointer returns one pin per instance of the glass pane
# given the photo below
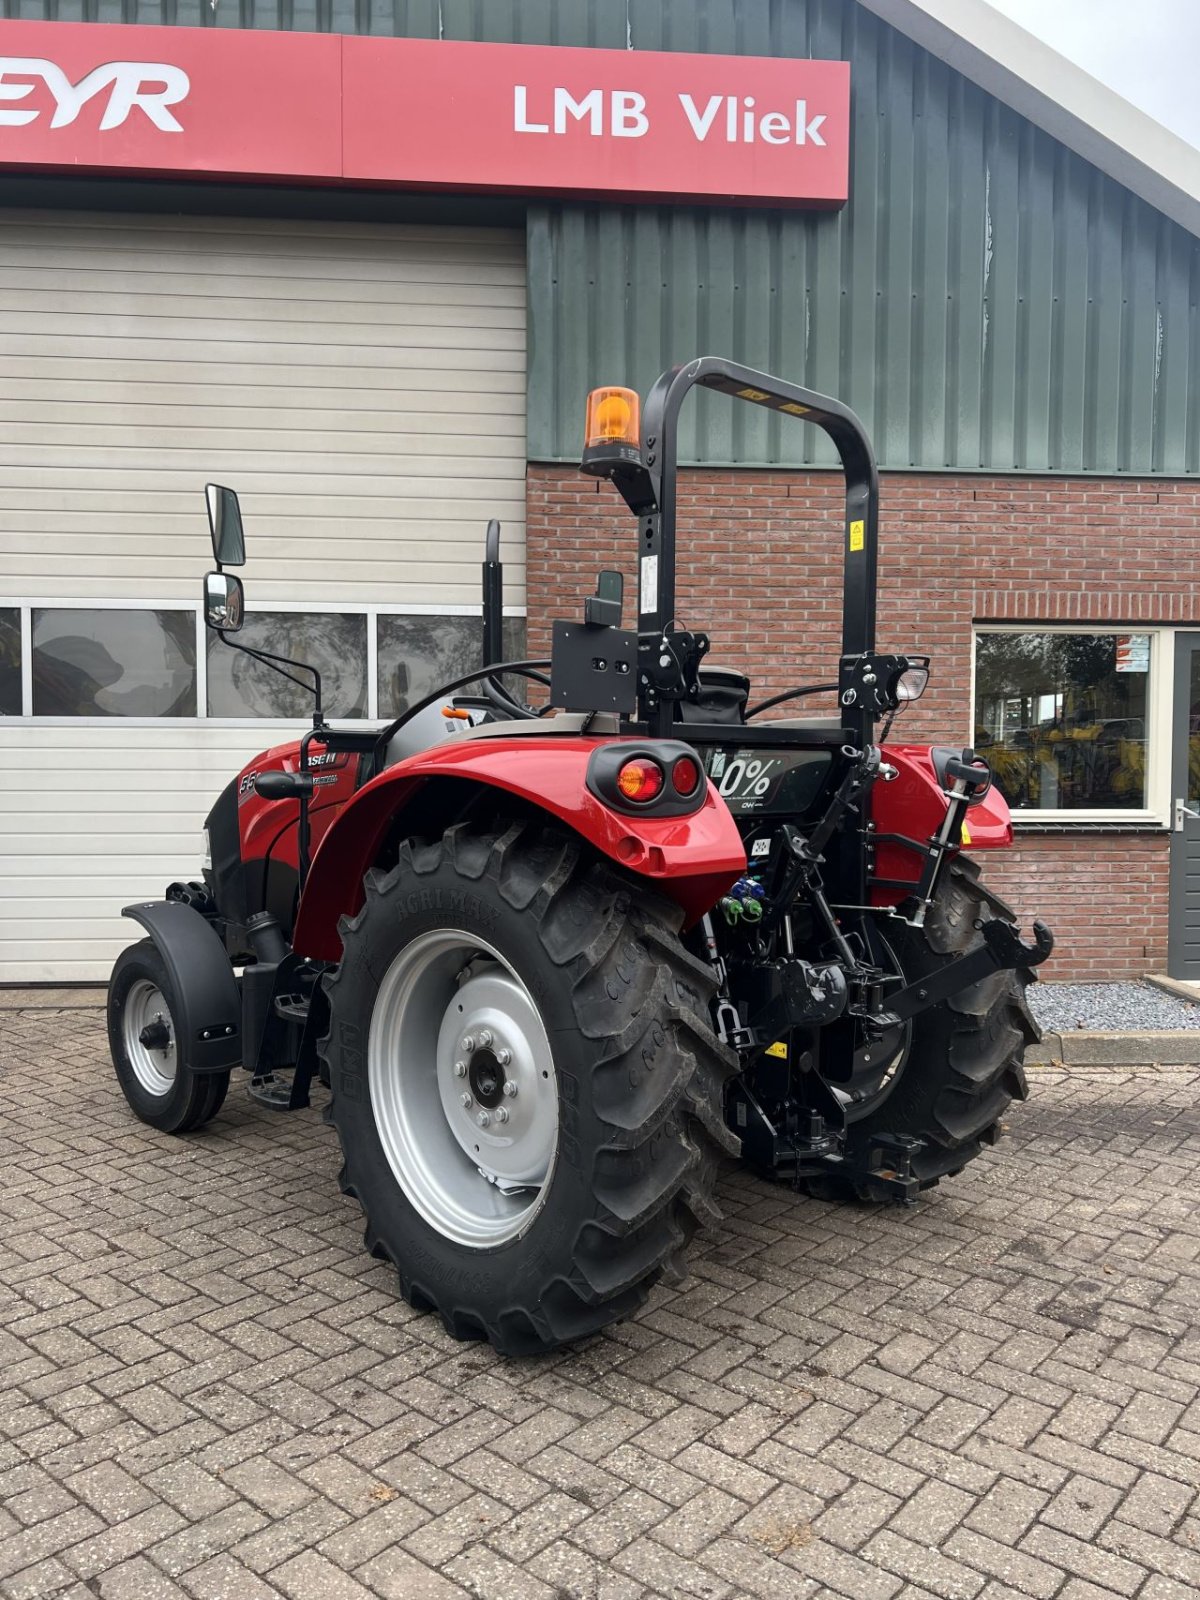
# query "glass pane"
(10, 661)
(239, 686)
(1061, 717)
(114, 663)
(416, 654)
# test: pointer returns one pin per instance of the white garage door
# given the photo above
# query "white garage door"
(362, 387)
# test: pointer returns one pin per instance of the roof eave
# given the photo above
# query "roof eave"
(1056, 95)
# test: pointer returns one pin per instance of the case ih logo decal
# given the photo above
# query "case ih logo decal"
(423, 114)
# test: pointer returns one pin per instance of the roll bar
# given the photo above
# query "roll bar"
(657, 511)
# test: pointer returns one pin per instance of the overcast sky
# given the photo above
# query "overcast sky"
(1147, 50)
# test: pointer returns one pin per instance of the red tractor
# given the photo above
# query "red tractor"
(553, 961)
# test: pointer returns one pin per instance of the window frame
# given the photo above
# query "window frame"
(372, 610)
(1159, 689)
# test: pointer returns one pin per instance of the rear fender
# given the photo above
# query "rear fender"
(914, 805)
(208, 1031)
(691, 860)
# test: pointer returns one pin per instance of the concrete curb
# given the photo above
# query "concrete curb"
(80, 998)
(1162, 1047)
(1179, 987)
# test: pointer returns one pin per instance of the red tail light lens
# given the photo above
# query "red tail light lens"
(685, 775)
(640, 780)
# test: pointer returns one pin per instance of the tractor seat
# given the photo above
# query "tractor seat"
(722, 698)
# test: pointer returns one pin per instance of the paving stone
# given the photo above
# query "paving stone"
(959, 1400)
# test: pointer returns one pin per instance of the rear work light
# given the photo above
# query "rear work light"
(640, 779)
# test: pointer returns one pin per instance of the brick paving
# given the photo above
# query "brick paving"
(208, 1390)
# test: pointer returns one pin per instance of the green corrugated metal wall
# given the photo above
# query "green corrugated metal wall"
(986, 299)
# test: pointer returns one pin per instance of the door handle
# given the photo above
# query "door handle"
(1182, 810)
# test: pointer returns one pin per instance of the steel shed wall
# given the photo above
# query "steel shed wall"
(986, 300)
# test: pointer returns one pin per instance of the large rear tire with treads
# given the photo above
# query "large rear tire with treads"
(525, 1083)
(961, 1065)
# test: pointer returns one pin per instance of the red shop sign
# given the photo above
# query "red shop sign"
(423, 114)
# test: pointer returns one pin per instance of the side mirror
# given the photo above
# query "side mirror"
(225, 522)
(224, 602)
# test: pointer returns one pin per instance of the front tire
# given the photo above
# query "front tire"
(142, 1038)
(539, 1228)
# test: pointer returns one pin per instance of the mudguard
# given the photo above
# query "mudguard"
(691, 860)
(913, 806)
(208, 1033)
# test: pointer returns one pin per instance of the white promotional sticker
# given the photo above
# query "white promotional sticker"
(1133, 652)
(649, 601)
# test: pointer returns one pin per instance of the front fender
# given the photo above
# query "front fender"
(691, 860)
(208, 1034)
(914, 805)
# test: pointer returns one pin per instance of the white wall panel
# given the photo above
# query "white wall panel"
(362, 387)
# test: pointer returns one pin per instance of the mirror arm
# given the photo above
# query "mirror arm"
(272, 661)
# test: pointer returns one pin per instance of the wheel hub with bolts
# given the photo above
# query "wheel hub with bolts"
(463, 1088)
(507, 1118)
(149, 1039)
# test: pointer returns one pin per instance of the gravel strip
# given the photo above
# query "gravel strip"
(1109, 1007)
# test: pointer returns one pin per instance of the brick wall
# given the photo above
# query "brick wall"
(760, 570)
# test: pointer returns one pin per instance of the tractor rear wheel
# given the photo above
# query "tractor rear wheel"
(142, 1036)
(525, 1083)
(960, 1064)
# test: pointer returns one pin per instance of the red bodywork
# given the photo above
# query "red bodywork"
(914, 804)
(692, 860)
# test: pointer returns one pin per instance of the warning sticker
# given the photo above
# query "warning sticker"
(649, 596)
(777, 1049)
(856, 535)
(753, 394)
(794, 410)
(966, 834)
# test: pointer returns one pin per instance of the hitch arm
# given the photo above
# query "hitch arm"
(1003, 949)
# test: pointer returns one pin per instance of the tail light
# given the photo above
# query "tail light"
(640, 779)
(658, 778)
(685, 776)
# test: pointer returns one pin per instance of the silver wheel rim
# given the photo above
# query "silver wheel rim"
(463, 1088)
(145, 1007)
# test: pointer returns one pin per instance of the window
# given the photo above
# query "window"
(1064, 717)
(114, 663)
(137, 660)
(239, 686)
(10, 661)
(416, 654)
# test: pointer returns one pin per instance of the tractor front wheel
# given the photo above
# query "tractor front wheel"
(142, 1037)
(525, 1083)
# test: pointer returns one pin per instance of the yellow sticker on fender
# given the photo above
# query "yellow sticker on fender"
(966, 834)
(856, 536)
(777, 1049)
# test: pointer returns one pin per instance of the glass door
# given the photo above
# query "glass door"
(1183, 957)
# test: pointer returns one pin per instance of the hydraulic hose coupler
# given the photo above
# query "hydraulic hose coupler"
(267, 937)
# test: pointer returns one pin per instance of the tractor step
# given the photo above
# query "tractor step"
(292, 1007)
(273, 1090)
